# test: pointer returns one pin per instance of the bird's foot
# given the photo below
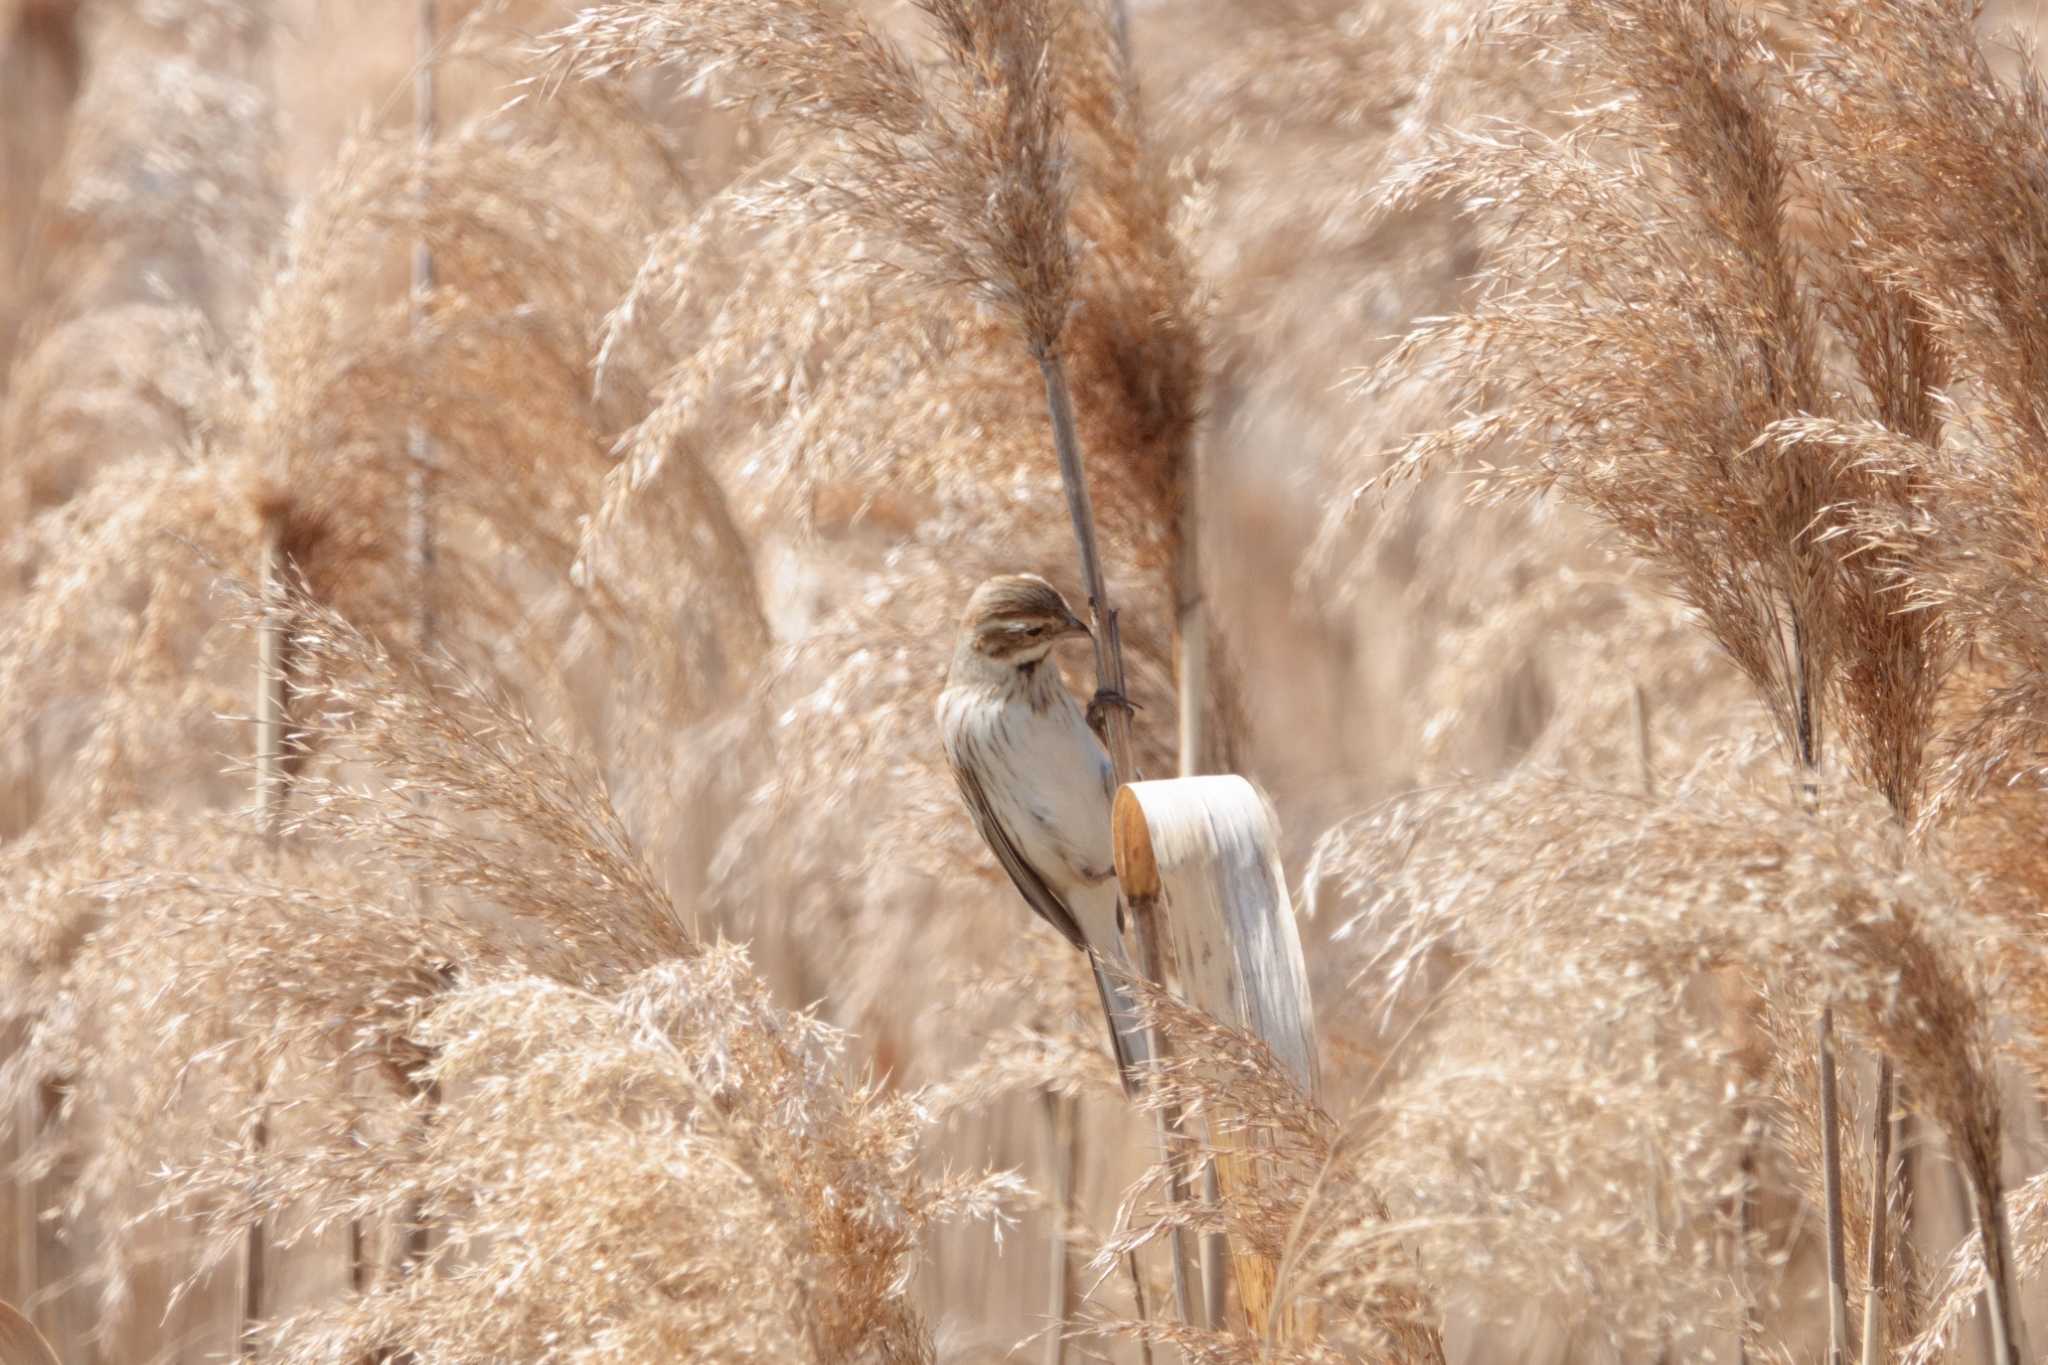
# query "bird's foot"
(1099, 704)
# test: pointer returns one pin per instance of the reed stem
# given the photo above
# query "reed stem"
(271, 640)
(1831, 1186)
(1880, 1206)
(1109, 675)
(1988, 1205)
(1063, 1138)
(421, 538)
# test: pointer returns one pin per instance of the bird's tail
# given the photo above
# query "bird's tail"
(1128, 1037)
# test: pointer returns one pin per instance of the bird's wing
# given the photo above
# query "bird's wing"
(1029, 883)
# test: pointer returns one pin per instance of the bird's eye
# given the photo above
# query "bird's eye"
(1034, 630)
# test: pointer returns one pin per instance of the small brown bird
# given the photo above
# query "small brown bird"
(1037, 781)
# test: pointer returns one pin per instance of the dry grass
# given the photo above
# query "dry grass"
(1620, 516)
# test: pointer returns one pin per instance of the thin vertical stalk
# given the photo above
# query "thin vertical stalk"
(1138, 1309)
(420, 541)
(419, 450)
(28, 1126)
(360, 1257)
(1745, 1223)
(1170, 1127)
(1109, 675)
(1190, 640)
(1063, 1138)
(419, 501)
(1880, 1179)
(1989, 1208)
(1191, 670)
(1109, 654)
(1646, 770)
(1831, 1187)
(1906, 1171)
(1806, 737)
(1654, 1183)
(1215, 1253)
(270, 779)
(1966, 1216)
(270, 684)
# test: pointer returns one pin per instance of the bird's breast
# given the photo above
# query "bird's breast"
(1045, 778)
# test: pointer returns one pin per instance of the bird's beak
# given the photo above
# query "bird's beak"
(1075, 626)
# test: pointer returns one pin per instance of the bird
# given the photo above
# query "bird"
(1039, 785)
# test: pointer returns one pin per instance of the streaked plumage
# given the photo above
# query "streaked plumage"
(1036, 780)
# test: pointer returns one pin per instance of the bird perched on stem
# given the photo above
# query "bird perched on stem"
(1038, 783)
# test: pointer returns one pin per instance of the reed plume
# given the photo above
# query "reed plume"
(1715, 709)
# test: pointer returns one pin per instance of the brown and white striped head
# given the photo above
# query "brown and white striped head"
(1015, 619)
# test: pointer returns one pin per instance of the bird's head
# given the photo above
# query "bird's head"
(1016, 619)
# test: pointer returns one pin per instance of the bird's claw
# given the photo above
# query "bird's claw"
(1099, 704)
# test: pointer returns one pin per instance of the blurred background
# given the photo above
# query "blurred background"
(533, 371)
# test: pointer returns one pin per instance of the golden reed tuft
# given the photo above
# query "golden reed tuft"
(608, 973)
